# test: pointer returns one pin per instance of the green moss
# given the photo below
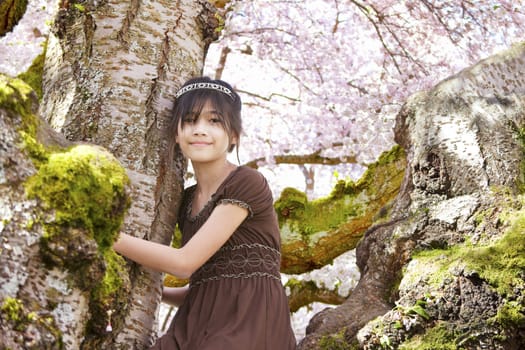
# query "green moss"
(510, 314)
(347, 200)
(13, 310)
(436, 338)
(369, 178)
(315, 232)
(220, 22)
(112, 281)
(291, 204)
(335, 342)
(419, 308)
(109, 295)
(177, 237)
(15, 96)
(33, 76)
(293, 282)
(501, 263)
(79, 7)
(85, 188)
(38, 153)
(304, 216)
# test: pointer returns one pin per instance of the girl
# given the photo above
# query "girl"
(230, 236)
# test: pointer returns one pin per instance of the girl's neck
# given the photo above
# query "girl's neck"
(210, 176)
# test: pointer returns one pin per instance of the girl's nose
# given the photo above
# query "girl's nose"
(199, 128)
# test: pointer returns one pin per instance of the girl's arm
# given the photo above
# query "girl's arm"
(182, 262)
(174, 295)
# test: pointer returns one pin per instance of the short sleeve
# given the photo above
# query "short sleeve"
(248, 189)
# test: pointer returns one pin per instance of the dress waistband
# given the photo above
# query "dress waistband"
(240, 261)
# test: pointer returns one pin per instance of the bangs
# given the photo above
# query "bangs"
(193, 103)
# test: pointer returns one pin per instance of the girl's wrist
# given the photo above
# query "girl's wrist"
(118, 240)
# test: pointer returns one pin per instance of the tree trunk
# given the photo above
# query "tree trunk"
(464, 144)
(112, 69)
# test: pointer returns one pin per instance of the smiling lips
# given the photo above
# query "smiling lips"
(200, 143)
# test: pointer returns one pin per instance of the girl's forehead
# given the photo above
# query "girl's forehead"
(204, 108)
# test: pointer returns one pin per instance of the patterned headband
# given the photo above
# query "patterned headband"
(210, 86)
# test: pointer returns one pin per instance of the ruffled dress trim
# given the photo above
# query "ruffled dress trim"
(214, 202)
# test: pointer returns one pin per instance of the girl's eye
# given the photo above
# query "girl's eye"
(215, 120)
(189, 120)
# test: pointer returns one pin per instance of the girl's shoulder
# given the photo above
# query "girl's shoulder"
(249, 186)
(247, 178)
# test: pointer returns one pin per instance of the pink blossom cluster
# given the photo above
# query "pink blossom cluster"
(330, 76)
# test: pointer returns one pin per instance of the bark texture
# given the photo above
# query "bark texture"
(53, 271)
(111, 71)
(433, 276)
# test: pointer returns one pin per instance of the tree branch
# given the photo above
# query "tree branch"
(303, 293)
(269, 98)
(312, 158)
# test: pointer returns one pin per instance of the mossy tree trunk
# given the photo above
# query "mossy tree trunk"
(110, 80)
(458, 219)
(111, 72)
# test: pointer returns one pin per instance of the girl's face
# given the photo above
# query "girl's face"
(202, 137)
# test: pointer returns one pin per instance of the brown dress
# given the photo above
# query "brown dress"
(236, 299)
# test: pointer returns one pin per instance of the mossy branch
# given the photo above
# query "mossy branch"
(303, 293)
(315, 232)
(11, 11)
